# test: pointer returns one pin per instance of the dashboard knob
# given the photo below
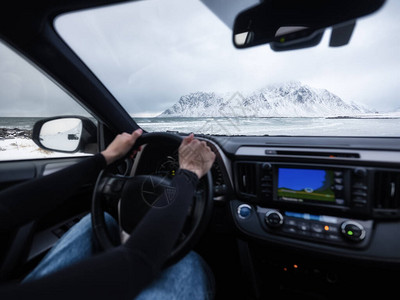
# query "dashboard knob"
(360, 172)
(266, 166)
(244, 211)
(273, 218)
(353, 231)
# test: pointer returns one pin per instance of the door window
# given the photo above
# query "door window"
(26, 96)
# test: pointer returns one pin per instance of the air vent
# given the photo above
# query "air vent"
(387, 191)
(247, 178)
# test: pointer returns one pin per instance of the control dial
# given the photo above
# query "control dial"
(353, 231)
(273, 218)
(360, 172)
(244, 211)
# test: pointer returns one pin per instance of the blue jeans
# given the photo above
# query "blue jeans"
(190, 278)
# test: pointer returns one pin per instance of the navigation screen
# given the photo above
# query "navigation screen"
(301, 185)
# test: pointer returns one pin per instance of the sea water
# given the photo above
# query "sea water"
(277, 126)
(19, 148)
(367, 126)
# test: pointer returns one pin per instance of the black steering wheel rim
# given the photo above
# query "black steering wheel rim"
(201, 214)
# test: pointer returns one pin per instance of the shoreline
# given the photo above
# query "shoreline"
(22, 147)
(13, 133)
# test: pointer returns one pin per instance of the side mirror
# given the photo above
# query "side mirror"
(68, 134)
(294, 24)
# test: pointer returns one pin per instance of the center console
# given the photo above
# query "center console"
(313, 186)
(324, 204)
(316, 228)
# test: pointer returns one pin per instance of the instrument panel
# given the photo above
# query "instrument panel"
(337, 201)
(345, 203)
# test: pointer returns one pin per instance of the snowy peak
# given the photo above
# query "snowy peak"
(291, 99)
(190, 105)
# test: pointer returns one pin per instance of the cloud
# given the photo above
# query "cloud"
(150, 53)
(26, 92)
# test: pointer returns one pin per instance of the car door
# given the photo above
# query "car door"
(27, 96)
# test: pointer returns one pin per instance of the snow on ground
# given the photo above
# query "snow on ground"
(20, 148)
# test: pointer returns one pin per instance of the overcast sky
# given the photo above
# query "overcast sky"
(150, 53)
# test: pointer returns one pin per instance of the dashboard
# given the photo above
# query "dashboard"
(337, 196)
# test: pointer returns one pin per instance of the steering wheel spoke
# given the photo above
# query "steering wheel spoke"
(112, 185)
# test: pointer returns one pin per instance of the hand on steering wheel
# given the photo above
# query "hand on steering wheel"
(120, 146)
(194, 155)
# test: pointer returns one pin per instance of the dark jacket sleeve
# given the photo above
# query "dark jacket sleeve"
(124, 271)
(30, 200)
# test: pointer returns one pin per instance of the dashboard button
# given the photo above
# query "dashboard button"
(331, 229)
(302, 226)
(244, 211)
(339, 187)
(333, 237)
(316, 227)
(289, 229)
(317, 235)
(339, 180)
(291, 222)
(340, 201)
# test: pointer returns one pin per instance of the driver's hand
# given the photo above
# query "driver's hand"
(120, 146)
(195, 156)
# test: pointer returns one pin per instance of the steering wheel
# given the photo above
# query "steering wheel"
(136, 195)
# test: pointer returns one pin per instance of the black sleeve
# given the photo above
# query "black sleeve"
(25, 202)
(124, 271)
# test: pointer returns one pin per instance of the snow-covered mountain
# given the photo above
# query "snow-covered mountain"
(292, 99)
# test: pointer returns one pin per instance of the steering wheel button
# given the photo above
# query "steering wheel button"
(116, 186)
(107, 189)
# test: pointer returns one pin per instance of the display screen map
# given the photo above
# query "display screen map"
(305, 185)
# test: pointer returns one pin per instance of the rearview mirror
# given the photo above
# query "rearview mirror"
(68, 134)
(295, 24)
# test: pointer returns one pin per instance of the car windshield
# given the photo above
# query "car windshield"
(172, 65)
